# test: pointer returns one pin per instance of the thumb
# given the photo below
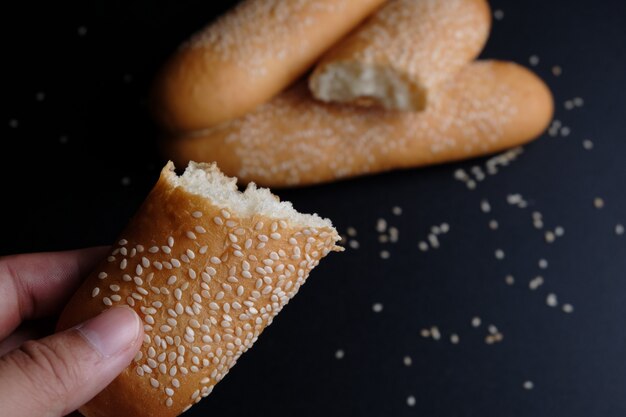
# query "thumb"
(53, 376)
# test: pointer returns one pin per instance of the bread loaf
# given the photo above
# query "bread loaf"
(207, 268)
(402, 53)
(296, 140)
(247, 56)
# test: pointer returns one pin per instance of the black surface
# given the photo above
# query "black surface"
(91, 134)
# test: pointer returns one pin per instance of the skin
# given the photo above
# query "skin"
(54, 375)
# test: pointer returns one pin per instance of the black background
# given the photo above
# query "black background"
(77, 162)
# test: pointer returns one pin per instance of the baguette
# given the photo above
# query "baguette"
(247, 56)
(207, 268)
(402, 53)
(295, 140)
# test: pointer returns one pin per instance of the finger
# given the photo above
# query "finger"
(39, 284)
(56, 375)
(29, 330)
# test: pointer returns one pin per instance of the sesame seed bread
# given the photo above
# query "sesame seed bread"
(296, 140)
(247, 56)
(207, 268)
(402, 53)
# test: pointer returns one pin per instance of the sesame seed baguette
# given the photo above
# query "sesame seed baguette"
(207, 268)
(295, 140)
(402, 53)
(247, 56)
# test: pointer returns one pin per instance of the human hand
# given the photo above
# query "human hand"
(55, 375)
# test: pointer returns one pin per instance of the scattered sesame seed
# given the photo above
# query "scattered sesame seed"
(565, 131)
(498, 14)
(95, 292)
(557, 71)
(568, 308)
(543, 264)
(102, 275)
(476, 322)
(423, 246)
(354, 244)
(396, 210)
(598, 203)
(377, 307)
(549, 236)
(499, 254)
(588, 144)
(434, 332)
(425, 333)
(339, 354)
(528, 385)
(410, 401)
(535, 283)
(381, 225)
(509, 279)
(351, 231)
(551, 300)
(384, 254)
(534, 60)
(485, 207)
(454, 339)
(493, 224)
(559, 231)
(619, 229)
(407, 361)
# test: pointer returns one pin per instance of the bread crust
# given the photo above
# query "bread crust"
(408, 46)
(295, 140)
(232, 275)
(247, 56)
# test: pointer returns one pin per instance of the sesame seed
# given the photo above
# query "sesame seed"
(407, 361)
(102, 275)
(485, 207)
(381, 225)
(476, 322)
(528, 385)
(339, 354)
(354, 244)
(423, 246)
(534, 60)
(549, 236)
(107, 301)
(619, 229)
(351, 231)
(215, 260)
(551, 300)
(499, 254)
(543, 264)
(95, 292)
(559, 231)
(493, 224)
(384, 254)
(535, 283)
(454, 339)
(425, 333)
(557, 71)
(197, 214)
(191, 235)
(568, 308)
(598, 203)
(396, 211)
(434, 332)
(410, 401)
(123, 264)
(509, 279)
(588, 144)
(377, 307)
(171, 280)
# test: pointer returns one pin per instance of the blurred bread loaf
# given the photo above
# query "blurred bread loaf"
(402, 53)
(295, 140)
(207, 268)
(247, 56)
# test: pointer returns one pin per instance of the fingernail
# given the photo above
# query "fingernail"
(112, 331)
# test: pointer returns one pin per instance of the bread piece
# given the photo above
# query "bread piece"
(247, 56)
(207, 268)
(296, 140)
(402, 53)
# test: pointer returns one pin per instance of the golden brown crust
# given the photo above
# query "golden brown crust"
(247, 56)
(205, 282)
(296, 140)
(423, 42)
